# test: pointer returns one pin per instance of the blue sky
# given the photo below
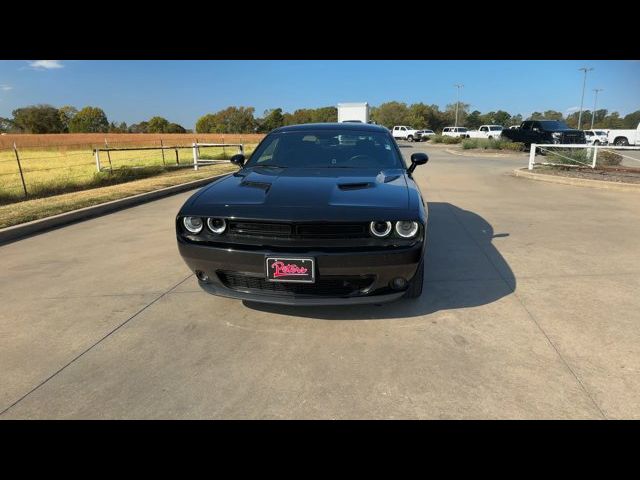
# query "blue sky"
(181, 90)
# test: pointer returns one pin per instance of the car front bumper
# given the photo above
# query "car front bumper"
(373, 271)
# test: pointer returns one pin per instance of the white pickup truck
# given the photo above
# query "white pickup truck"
(624, 138)
(406, 133)
(486, 131)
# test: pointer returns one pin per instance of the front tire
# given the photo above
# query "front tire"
(415, 287)
(410, 138)
(621, 142)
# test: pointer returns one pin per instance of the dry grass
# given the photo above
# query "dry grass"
(44, 207)
(92, 140)
(61, 169)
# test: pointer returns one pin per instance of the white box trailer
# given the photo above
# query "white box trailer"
(353, 112)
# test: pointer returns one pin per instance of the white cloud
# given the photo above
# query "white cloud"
(5, 87)
(45, 64)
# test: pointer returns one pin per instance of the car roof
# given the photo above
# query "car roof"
(347, 127)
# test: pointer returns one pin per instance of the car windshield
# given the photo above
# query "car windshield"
(554, 125)
(462, 129)
(600, 132)
(495, 129)
(326, 149)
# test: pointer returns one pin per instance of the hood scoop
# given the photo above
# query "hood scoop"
(261, 185)
(355, 186)
(390, 178)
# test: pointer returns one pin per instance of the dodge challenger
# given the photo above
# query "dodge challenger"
(319, 214)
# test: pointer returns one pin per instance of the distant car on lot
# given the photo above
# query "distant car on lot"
(596, 137)
(544, 132)
(425, 134)
(624, 138)
(320, 214)
(486, 131)
(455, 132)
(404, 132)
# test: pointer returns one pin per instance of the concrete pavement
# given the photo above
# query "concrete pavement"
(530, 311)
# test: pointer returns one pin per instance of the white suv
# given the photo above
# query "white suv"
(596, 137)
(455, 132)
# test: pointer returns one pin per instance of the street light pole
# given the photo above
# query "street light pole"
(595, 102)
(584, 84)
(458, 86)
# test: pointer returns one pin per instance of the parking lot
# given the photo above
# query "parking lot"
(530, 310)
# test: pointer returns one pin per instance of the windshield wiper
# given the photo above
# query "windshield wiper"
(267, 165)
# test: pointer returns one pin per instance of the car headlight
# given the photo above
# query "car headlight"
(193, 224)
(380, 229)
(216, 225)
(407, 229)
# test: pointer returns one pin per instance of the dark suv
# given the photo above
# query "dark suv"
(544, 131)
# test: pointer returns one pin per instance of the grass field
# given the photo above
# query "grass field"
(28, 210)
(50, 169)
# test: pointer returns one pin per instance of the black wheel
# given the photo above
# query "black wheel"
(415, 287)
(490, 138)
(597, 142)
(410, 138)
(621, 142)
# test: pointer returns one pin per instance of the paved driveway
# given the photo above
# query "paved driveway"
(531, 310)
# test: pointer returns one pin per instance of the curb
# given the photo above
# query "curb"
(22, 230)
(488, 155)
(578, 182)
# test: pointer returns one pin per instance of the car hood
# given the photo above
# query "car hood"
(315, 189)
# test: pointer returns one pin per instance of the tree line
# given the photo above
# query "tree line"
(68, 119)
(418, 115)
(234, 119)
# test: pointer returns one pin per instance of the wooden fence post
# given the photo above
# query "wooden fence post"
(24, 185)
(162, 150)
(108, 155)
(177, 158)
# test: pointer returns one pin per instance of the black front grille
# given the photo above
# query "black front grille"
(334, 286)
(300, 231)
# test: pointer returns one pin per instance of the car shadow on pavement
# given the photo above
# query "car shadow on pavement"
(463, 268)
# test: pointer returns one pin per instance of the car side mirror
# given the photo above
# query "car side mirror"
(417, 159)
(238, 160)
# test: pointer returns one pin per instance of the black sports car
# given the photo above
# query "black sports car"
(319, 214)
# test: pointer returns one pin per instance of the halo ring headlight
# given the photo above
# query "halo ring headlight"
(407, 229)
(380, 229)
(217, 225)
(193, 224)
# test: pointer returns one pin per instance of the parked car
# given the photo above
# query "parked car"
(544, 132)
(486, 131)
(318, 214)
(596, 137)
(455, 132)
(623, 138)
(425, 134)
(406, 133)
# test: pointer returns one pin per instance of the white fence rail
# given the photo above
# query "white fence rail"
(197, 161)
(592, 151)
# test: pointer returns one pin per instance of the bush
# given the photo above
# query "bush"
(608, 159)
(444, 139)
(485, 144)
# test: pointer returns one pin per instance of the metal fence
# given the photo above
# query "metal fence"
(589, 160)
(44, 170)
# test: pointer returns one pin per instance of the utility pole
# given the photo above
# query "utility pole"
(595, 102)
(458, 86)
(584, 84)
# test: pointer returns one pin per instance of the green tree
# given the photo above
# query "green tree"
(139, 127)
(158, 125)
(273, 118)
(391, 113)
(474, 119)
(175, 128)
(66, 114)
(229, 120)
(38, 119)
(89, 120)
(554, 115)
(463, 111)
(632, 119)
(7, 125)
